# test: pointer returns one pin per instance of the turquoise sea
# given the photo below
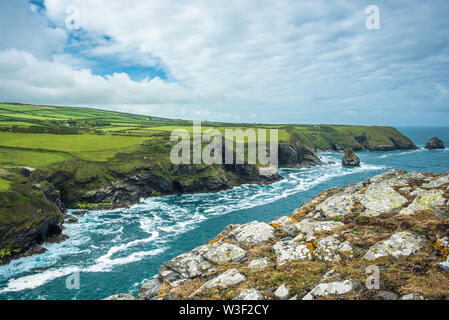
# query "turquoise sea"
(115, 251)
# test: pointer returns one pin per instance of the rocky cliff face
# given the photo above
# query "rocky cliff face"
(394, 224)
(27, 220)
(130, 188)
(297, 155)
(394, 145)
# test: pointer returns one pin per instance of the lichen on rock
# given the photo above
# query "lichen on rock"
(380, 198)
(228, 278)
(333, 289)
(252, 233)
(249, 294)
(400, 244)
(222, 253)
(425, 200)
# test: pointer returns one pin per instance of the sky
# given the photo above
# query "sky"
(298, 61)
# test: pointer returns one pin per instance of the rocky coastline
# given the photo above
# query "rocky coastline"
(395, 223)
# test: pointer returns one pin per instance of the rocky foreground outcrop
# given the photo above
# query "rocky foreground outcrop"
(394, 225)
(435, 143)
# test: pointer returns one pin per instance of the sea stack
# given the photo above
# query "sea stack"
(350, 159)
(435, 143)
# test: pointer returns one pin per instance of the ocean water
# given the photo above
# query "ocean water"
(115, 251)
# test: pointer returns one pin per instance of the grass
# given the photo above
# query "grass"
(324, 136)
(79, 145)
(4, 184)
(10, 157)
(94, 122)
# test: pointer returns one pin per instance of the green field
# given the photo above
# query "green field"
(4, 184)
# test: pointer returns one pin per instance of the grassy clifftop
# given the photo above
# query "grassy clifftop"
(337, 137)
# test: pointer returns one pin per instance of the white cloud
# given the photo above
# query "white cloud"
(271, 61)
(23, 28)
(57, 83)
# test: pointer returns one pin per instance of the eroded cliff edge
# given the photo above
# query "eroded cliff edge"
(397, 222)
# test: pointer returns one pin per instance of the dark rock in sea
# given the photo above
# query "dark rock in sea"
(57, 238)
(435, 143)
(28, 238)
(350, 159)
(70, 219)
(34, 250)
(80, 212)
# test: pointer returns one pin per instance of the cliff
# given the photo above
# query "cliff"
(338, 137)
(394, 225)
(26, 221)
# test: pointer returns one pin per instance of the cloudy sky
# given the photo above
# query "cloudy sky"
(298, 61)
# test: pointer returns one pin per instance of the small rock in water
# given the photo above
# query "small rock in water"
(35, 250)
(80, 212)
(435, 143)
(70, 219)
(350, 159)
